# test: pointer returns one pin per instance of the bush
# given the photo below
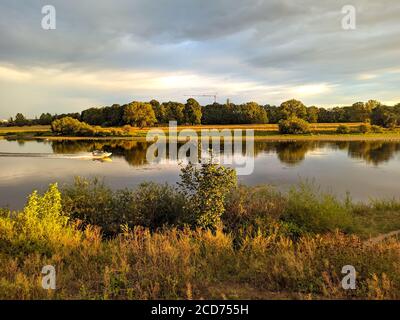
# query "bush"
(294, 126)
(149, 205)
(68, 126)
(364, 128)
(40, 228)
(316, 212)
(205, 190)
(343, 129)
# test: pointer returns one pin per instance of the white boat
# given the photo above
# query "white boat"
(97, 154)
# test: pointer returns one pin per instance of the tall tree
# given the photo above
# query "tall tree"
(293, 108)
(20, 120)
(192, 112)
(174, 111)
(139, 114)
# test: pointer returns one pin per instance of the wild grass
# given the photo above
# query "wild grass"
(270, 245)
(320, 131)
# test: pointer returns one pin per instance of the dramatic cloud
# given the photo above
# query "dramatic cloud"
(105, 52)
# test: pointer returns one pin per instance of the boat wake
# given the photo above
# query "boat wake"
(48, 155)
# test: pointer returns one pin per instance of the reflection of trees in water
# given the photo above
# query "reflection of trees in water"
(375, 152)
(133, 152)
(292, 153)
(288, 152)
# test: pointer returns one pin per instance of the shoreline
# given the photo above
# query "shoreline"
(277, 137)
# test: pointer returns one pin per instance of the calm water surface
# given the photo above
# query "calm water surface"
(365, 169)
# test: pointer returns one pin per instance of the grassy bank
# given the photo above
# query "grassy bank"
(265, 132)
(143, 243)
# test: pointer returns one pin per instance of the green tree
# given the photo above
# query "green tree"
(273, 114)
(174, 111)
(385, 116)
(45, 119)
(251, 113)
(372, 104)
(93, 116)
(293, 108)
(206, 189)
(312, 114)
(20, 120)
(359, 112)
(139, 114)
(159, 111)
(192, 112)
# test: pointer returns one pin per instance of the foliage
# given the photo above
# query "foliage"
(364, 128)
(384, 116)
(174, 111)
(192, 112)
(343, 129)
(293, 109)
(268, 247)
(205, 190)
(316, 212)
(20, 120)
(229, 113)
(294, 126)
(41, 227)
(149, 205)
(68, 126)
(312, 114)
(139, 114)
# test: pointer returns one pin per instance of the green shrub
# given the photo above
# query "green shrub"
(68, 126)
(205, 190)
(153, 205)
(92, 202)
(41, 227)
(316, 212)
(294, 126)
(343, 129)
(149, 205)
(364, 128)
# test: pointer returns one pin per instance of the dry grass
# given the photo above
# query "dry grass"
(262, 132)
(186, 264)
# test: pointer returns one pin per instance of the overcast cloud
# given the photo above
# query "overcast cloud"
(105, 52)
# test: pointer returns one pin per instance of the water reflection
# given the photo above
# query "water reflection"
(290, 153)
(364, 168)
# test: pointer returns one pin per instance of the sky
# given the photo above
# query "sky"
(106, 52)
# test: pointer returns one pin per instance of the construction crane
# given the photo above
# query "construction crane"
(203, 95)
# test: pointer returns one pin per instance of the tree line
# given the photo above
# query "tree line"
(143, 114)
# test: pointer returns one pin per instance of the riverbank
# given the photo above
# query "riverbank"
(275, 247)
(269, 132)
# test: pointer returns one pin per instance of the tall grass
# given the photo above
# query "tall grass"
(271, 245)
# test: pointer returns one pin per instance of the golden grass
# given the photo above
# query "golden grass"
(262, 132)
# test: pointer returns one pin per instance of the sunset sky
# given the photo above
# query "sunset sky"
(106, 52)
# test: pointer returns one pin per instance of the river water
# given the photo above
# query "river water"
(366, 169)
